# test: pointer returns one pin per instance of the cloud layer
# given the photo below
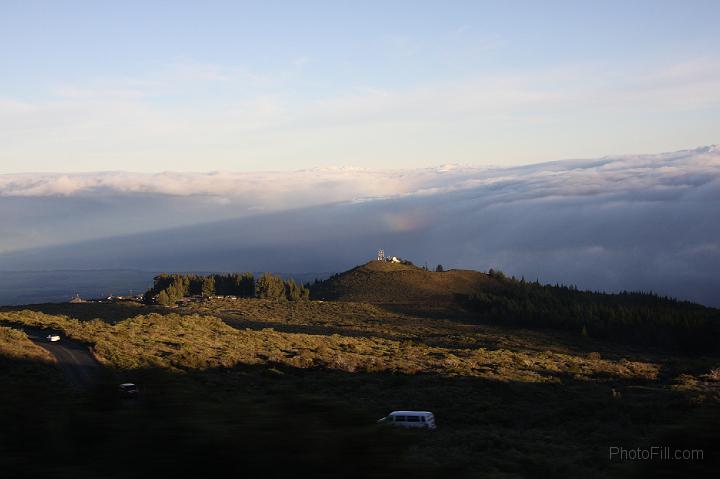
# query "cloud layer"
(311, 186)
(631, 222)
(261, 190)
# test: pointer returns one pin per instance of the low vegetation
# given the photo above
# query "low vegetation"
(15, 346)
(180, 342)
(258, 378)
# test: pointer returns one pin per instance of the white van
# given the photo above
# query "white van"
(418, 419)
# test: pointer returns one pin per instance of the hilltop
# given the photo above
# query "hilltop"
(384, 282)
(633, 317)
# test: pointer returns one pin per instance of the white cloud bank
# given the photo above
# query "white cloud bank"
(273, 190)
(310, 186)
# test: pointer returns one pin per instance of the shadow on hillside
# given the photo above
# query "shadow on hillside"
(275, 421)
(216, 423)
(429, 310)
(318, 330)
(567, 342)
(489, 336)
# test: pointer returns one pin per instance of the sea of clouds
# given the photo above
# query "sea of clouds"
(643, 222)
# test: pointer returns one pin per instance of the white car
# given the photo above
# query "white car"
(410, 419)
(53, 338)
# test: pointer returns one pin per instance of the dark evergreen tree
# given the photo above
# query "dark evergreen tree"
(269, 286)
(292, 292)
(642, 318)
(246, 285)
(304, 292)
(208, 286)
(163, 299)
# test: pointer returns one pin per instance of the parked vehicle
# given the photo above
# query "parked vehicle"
(410, 419)
(129, 389)
(53, 338)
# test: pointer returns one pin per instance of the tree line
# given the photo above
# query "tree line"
(634, 317)
(169, 288)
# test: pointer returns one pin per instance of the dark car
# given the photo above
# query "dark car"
(129, 389)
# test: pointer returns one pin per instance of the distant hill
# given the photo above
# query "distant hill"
(383, 282)
(633, 317)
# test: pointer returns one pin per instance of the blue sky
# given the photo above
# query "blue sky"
(197, 86)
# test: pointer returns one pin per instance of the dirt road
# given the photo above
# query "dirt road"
(74, 359)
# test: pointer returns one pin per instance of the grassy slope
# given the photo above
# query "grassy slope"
(15, 346)
(382, 282)
(470, 295)
(197, 417)
(509, 402)
(179, 342)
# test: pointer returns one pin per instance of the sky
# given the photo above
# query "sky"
(256, 86)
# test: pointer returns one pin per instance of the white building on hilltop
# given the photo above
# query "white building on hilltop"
(389, 259)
